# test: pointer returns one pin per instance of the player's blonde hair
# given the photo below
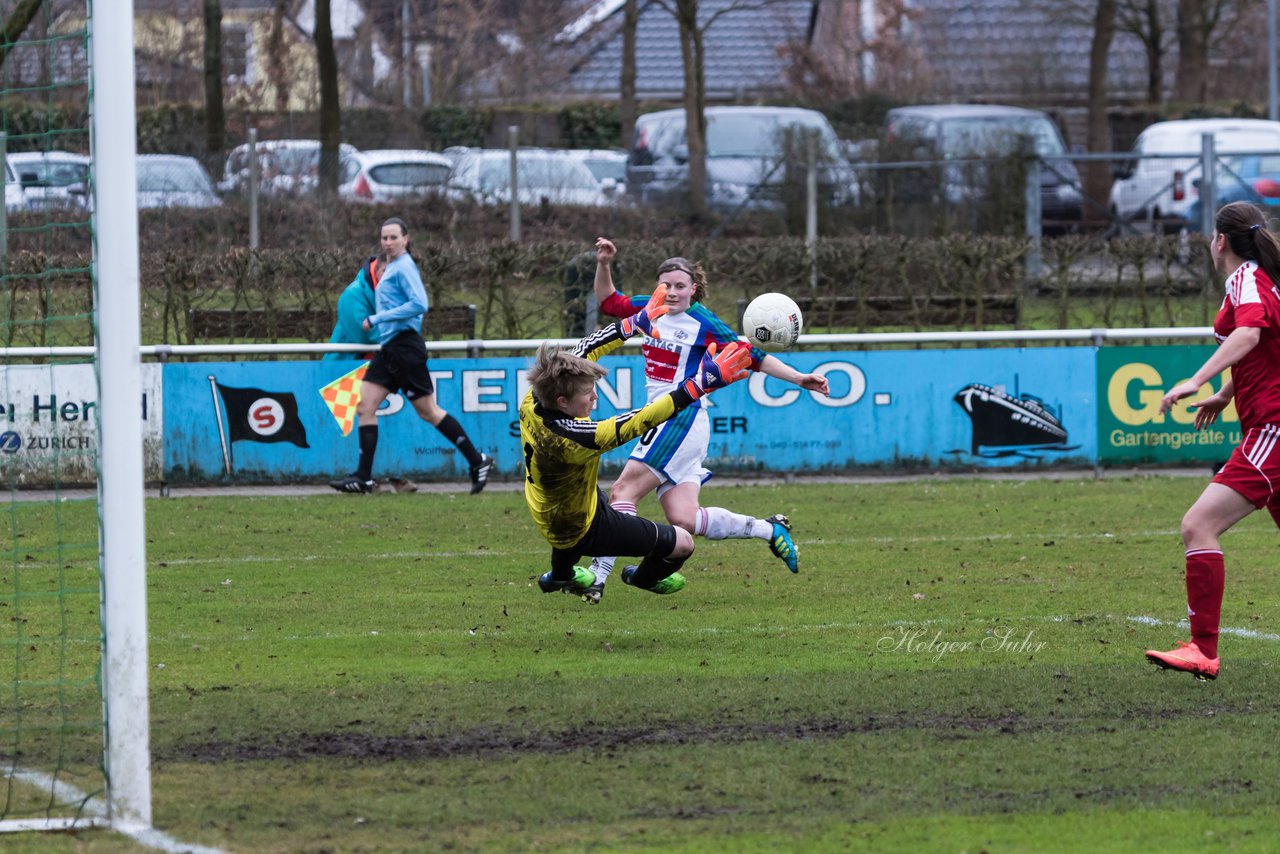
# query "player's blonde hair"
(558, 373)
(691, 269)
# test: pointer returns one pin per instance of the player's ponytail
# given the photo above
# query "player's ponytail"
(1245, 228)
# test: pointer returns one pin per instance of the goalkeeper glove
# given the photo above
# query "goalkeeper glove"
(714, 372)
(642, 321)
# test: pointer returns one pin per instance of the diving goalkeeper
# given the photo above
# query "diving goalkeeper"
(562, 446)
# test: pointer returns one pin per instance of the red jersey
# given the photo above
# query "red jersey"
(1252, 300)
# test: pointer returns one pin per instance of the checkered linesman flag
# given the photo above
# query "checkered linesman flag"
(342, 395)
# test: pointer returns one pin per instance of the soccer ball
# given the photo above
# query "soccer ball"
(772, 322)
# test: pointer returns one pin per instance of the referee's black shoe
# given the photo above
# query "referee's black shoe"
(353, 483)
(480, 473)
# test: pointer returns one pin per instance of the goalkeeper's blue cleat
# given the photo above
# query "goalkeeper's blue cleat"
(781, 544)
(582, 580)
(673, 583)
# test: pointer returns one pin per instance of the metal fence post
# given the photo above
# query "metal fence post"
(254, 174)
(1208, 192)
(1032, 194)
(811, 206)
(4, 181)
(513, 142)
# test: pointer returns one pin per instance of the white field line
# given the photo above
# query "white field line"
(758, 630)
(94, 814)
(1252, 634)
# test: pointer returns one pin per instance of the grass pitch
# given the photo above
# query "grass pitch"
(957, 667)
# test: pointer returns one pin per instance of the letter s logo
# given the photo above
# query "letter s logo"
(266, 416)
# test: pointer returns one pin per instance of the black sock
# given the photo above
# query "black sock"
(368, 447)
(453, 431)
(653, 569)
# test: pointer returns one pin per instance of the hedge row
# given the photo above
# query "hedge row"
(539, 290)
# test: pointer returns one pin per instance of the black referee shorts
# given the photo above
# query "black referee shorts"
(613, 533)
(401, 365)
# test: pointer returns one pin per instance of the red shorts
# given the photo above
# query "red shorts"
(1254, 467)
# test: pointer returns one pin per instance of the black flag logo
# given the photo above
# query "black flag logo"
(254, 415)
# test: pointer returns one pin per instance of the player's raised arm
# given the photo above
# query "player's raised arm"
(605, 253)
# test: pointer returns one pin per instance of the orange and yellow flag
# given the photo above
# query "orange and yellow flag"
(342, 395)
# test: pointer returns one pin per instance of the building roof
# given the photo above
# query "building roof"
(1020, 50)
(745, 48)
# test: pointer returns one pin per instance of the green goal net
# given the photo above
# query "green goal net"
(64, 259)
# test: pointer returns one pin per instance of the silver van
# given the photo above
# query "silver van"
(746, 157)
(951, 133)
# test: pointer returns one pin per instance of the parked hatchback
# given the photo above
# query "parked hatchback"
(968, 142)
(484, 176)
(14, 200)
(747, 157)
(387, 175)
(47, 178)
(174, 181)
(286, 167)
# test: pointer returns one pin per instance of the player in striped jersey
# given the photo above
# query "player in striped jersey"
(670, 457)
(562, 447)
(1248, 331)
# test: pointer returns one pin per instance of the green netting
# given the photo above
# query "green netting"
(51, 638)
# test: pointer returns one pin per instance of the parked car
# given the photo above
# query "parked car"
(387, 175)
(46, 178)
(608, 165)
(966, 139)
(174, 181)
(14, 199)
(1251, 178)
(484, 176)
(747, 157)
(286, 167)
(1160, 188)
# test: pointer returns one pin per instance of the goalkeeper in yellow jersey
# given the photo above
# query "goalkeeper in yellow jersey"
(562, 447)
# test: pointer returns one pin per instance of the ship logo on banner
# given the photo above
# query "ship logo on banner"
(1006, 425)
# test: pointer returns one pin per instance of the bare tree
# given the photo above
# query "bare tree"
(215, 117)
(1097, 180)
(330, 108)
(627, 85)
(16, 25)
(695, 88)
(277, 56)
(1197, 20)
(1148, 20)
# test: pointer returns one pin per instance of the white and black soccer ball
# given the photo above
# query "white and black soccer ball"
(772, 322)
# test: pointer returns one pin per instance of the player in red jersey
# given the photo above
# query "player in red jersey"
(1248, 331)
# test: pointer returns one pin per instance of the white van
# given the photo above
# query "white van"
(1162, 188)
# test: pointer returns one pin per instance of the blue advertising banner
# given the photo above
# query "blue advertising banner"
(991, 407)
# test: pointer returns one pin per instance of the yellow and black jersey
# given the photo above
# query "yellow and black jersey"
(562, 453)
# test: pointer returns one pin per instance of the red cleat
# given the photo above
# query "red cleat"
(1188, 658)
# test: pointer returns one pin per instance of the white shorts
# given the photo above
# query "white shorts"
(676, 448)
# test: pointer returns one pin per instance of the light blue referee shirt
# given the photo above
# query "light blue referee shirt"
(401, 299)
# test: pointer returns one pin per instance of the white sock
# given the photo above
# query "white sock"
(716, 523)
(602, 566)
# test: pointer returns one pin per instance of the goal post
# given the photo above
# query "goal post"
(74, 708)
(122, 533)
